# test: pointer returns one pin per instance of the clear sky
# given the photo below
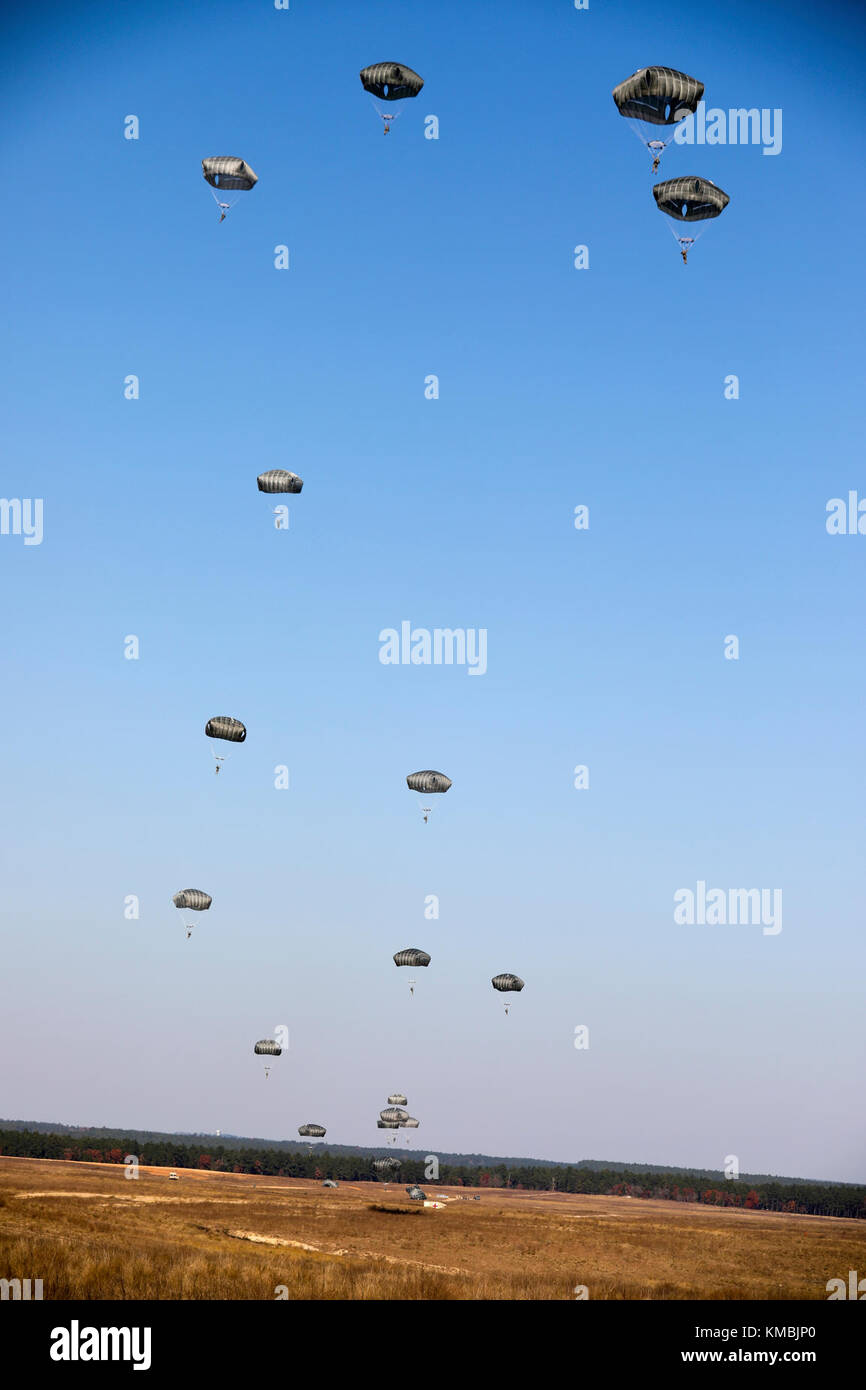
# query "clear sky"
(558, 387)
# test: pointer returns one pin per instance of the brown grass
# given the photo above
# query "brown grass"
(89, 1233)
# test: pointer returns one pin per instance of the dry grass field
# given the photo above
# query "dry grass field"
(88, 1232)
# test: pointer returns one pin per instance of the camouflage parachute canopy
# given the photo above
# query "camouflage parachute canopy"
(279, 480)
(428, 782)
(394, 1114)
(312, 1131)
(690, 199)
(417, 1194)
(411, 956)
(223, 726)
(267, 1047)
(329, 1182)
(397, 1099)
(387, 1124)
(507, 983)
(391, 81)
(660, 96)
(226, 171)
(193, 899)
(410, 1123)
(382, 1165)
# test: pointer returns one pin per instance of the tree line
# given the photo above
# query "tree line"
(317, 1162)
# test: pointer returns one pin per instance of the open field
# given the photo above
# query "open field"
(89, 1232)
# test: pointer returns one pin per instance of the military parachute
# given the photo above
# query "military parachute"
(267, 1047)
(507, 984)
(410, 1123)
(394, 1113)
(279, 480)
(426, 783)
(390, 82)
(397, 1099)
(192, 900)
(689, 199)
(229, 175)
(224, 727)
(386, 1166)
(415, 959)
(312, 1131)
(653, 99)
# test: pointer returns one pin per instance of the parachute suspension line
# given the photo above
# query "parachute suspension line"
(223, 207)
(657, 149)
(388, 117)
(685, 243)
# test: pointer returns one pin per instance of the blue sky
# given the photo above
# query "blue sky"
(558, 387)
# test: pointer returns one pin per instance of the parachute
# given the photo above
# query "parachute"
(416, 1194)
(410, 1123)
(223, 726)
(192, 900)
(279, 480)
(428, 782)
(394, 1113)
(689, 199)
(387, 1124)
(412, 957)
(230, 174)
(329, 1182)
(425, 783)
(507, 984)
(267, 1047)
(390, 82)
(397, 1099)
(657, 97)
(312, 1131)
(384, 1166)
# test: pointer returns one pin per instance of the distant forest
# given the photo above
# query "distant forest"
(319, 1161)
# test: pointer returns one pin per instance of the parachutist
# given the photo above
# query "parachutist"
(192, 900)
(226, 172)
(654, 101)
(390, 82)
(507, 984)
(689, 199)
